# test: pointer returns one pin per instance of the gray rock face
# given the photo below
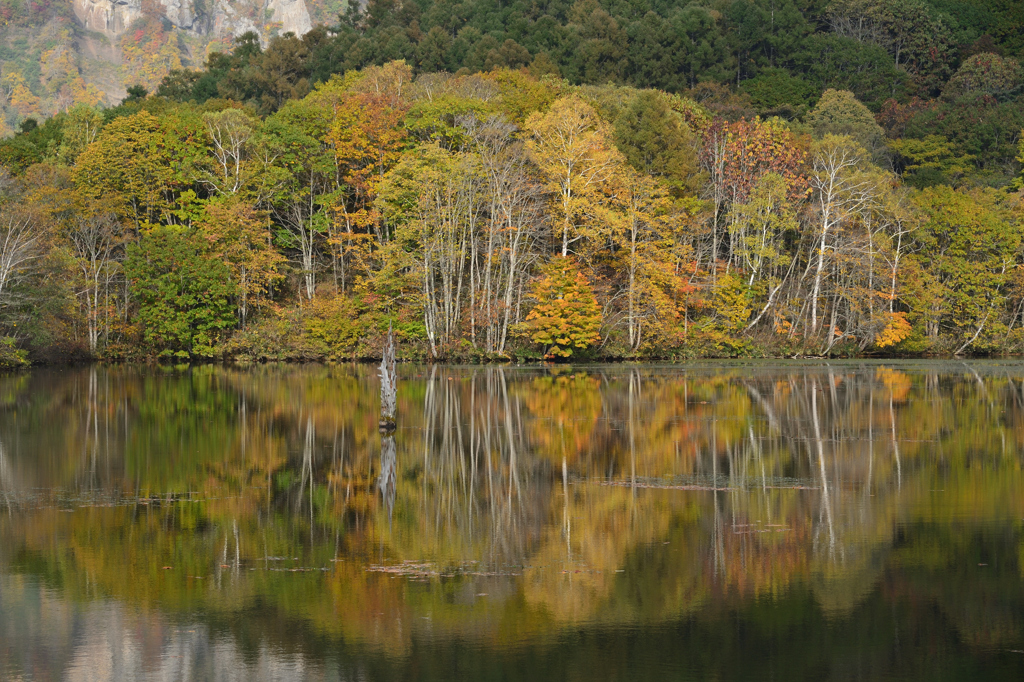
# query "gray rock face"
(292, 15)
(226, 18)
(179, 13)
(110, 17)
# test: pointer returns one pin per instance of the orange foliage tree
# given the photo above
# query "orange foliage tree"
(240, 236)
(367, 136)
(566, 317)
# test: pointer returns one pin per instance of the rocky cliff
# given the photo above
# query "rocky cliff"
(224, 19)
(56, 53)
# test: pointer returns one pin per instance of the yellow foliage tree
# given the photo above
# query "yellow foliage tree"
(896, 329)
(148, 52)
(572, 147)
(240, 236)
(22, 100)
(648, 229)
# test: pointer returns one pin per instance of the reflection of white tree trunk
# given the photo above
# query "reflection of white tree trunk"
(387, 482)
(895, 445)
(473, 475)
(566, 516)
(871, 441)
(307, 468)
(91, 441)
(718, 533)
(513, 458)
(6, 478)
(825, 498)
(634, 381)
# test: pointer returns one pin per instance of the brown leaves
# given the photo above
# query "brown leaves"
(367, 136)
(746, 150)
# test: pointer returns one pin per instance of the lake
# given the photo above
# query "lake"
(730, 521)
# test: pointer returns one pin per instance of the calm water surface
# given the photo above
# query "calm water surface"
(776, 521)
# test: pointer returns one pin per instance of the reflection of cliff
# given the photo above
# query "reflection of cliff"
(48, 637)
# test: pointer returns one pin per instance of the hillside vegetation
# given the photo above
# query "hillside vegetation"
(564, 180)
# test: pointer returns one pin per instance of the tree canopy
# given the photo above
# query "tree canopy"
(724, 178)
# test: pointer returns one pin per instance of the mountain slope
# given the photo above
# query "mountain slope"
(55, 53)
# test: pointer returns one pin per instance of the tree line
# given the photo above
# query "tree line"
(942, 73)
(503, 214)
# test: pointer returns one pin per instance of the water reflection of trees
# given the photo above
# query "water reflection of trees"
(628, 494)
(479, 492)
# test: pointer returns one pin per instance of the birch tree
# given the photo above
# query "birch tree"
(572, 147)
(21, 245)
(230, 133)
(648, 232)
(431, 199)
(301, 203)
(504, 249)
(841, 190)
(96, 237)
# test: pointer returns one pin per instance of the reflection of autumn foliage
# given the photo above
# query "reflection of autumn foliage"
(566, 408)
(577, 560)
(625, 496)
(898, 383)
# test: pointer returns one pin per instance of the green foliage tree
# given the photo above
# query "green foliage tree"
(79, 129)
(184, 292)
(976, 126)
(144, 161)
(915, 35)
(930, 161)
(839, 113)
(969, 241)
(776, 91)
(656, 140)
(987, 74)
(830, 60)
(1018, 182)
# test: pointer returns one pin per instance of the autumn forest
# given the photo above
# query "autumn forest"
(587, 181)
